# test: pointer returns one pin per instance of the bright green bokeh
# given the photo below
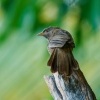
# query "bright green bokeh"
(24, 55)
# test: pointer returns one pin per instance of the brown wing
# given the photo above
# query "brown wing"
(62, 60)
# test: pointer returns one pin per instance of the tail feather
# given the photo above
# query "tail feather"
(53, 61)
(62, 60)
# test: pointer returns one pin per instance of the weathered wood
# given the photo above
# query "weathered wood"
(75, 88)
(71, 83)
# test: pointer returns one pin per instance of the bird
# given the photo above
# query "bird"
(62, 61)
(60, 46)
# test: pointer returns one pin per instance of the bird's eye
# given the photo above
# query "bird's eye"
(47, 31)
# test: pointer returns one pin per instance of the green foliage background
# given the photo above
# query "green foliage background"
(23, 55)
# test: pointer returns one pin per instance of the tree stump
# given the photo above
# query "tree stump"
(76, 88)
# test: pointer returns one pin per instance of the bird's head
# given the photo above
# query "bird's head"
(58, 35)
(48, 32)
